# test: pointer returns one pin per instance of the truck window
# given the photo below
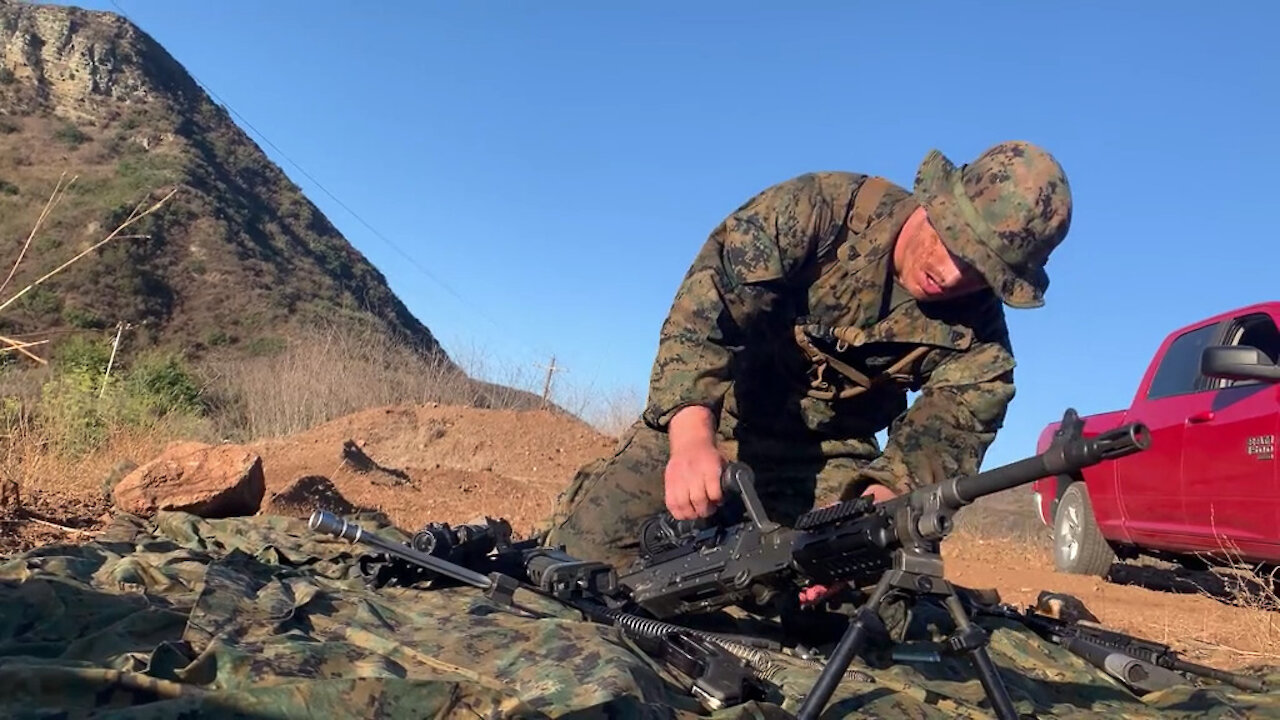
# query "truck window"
(1257, 331)
(1179, 371)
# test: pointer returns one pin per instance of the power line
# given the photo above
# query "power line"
(430, 275)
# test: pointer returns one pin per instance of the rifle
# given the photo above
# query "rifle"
(1142, 665)
(689, 567)
(893, 546)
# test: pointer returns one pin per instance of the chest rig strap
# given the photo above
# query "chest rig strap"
(864, 206)
(898, 373)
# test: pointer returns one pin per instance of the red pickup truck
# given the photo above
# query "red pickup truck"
(1207, 490)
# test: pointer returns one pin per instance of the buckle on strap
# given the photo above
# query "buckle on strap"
(844, 337)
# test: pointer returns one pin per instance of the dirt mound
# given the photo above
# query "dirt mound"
(416, 464)
(306, 495)
(438, 462)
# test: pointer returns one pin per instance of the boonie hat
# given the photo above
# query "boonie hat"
(1004, 213)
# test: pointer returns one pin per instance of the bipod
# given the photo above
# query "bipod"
(916, 573)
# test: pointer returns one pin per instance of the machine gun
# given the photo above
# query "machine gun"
(702, 566)
(892, 546)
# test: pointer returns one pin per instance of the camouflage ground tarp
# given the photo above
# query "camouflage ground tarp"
(258, 618)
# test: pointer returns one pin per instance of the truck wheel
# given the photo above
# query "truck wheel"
(1078, 545)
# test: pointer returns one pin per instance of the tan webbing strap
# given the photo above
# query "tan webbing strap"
(866, 202)
(821, 361)
(847, 370)
(894, 371)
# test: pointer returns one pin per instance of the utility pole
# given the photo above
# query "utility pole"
(546, 386)
(111, 361)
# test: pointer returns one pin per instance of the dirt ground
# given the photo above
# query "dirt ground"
(451, 464)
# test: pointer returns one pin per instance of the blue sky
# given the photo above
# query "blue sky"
(552, 168)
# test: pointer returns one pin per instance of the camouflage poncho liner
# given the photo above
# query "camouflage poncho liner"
(257, 617)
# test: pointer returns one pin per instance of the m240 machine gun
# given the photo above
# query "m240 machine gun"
(891, 546)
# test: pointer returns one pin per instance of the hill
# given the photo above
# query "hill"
(235, 261)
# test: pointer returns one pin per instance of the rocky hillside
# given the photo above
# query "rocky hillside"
(233, 261)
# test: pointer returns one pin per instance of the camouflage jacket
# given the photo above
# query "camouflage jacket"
(790, 297)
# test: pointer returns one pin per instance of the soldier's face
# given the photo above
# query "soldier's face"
(924, 266)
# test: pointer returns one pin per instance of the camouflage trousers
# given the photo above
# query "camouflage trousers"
(598, 517)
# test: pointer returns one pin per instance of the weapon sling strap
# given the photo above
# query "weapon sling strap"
(864, 205)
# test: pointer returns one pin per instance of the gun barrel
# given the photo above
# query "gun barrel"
(1067, 455)
(1244, 682)
(330, 524)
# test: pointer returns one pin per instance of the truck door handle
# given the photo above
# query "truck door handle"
(1202, 416)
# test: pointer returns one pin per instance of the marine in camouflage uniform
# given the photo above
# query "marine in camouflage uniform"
(802, 328)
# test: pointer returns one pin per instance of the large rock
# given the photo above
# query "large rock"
(212, 481)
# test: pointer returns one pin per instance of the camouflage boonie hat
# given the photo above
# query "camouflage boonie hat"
(1003, 213)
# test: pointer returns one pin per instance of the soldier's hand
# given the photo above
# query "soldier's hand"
(817, 593)
(879, 493)
(692, 478)
(692, 481)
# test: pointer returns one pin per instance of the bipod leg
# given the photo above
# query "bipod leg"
(850, 643)
(972, 640)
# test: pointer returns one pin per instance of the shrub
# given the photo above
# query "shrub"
(70, 135)
(82, 318)
(71, 412)
(265, 346)
(80, 405)
(161, 384)
(83, 355)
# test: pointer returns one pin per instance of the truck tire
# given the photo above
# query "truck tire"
(1078, 546)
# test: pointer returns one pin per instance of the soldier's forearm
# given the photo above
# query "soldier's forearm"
(945, 434)
(694, 425)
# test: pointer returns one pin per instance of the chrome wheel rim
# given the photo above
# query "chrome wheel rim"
(1069, 536)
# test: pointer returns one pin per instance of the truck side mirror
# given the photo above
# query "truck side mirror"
(1238, 362)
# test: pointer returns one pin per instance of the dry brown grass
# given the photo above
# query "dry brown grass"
(326, 372)
(44, 472)
(321, 375)
(1249, 586)
(610, 412)
(1008, 517)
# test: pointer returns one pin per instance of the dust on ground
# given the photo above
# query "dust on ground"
(453, 464)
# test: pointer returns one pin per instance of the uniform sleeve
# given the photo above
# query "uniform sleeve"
(738, 278)
(947, 429)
